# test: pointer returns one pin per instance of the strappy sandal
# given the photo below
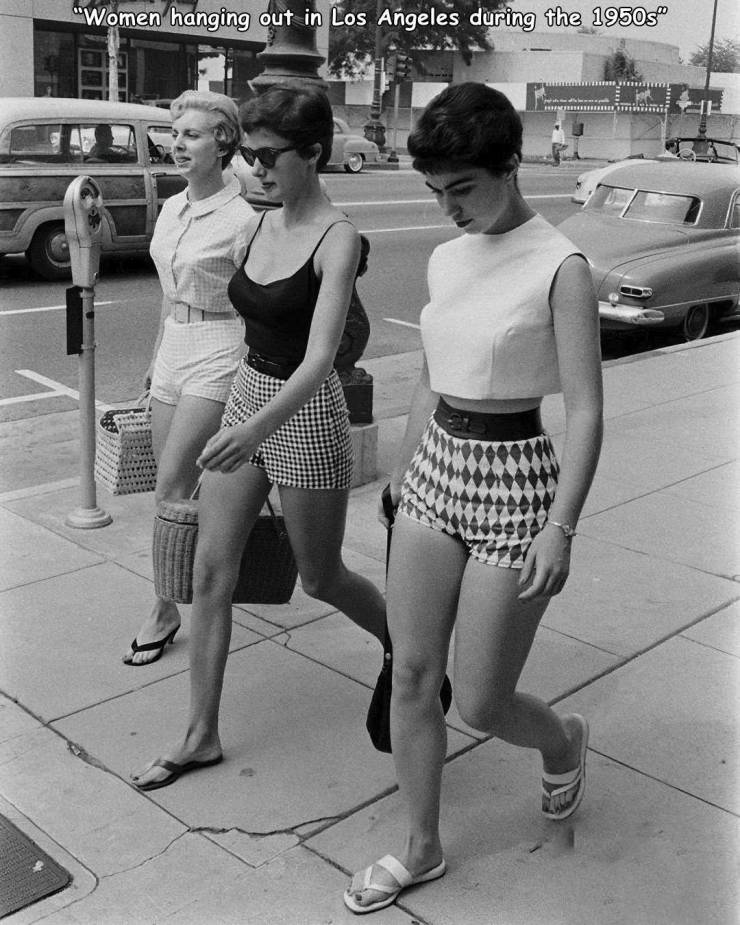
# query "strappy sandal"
(156, 646)
(566, 790)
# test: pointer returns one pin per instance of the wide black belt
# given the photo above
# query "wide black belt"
(279, 368)
(521, 425)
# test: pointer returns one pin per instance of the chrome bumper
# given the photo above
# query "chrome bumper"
(630, 314)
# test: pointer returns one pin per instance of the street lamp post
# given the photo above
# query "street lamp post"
(292, 58)
(710, 52)
(291, 54)
(374, 130)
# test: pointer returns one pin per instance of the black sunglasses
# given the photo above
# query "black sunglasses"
(266, 156)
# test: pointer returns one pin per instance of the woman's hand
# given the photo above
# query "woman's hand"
(230, 448)
(547, 565)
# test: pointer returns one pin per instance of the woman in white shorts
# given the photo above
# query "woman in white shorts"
(198, 242)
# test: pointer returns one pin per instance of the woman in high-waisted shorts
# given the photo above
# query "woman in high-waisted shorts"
(486, 514)
(197, 244)
(286, 421)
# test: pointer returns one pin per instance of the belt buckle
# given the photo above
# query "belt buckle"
(463, 423)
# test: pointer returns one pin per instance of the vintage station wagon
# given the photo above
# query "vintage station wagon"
(46, 142)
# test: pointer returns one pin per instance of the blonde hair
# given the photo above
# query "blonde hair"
(227, 131)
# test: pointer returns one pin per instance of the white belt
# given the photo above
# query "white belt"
(186, 314)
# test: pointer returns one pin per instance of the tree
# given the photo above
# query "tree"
(725, 55)
(620, 66)
(351, 47)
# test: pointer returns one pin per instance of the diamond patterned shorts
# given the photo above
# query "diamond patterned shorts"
(494, 496)
(313, 449)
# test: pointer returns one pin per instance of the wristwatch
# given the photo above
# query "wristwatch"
(566, 528)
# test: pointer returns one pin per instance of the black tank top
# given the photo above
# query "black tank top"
(278, 315)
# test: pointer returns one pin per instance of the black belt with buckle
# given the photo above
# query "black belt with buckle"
(521, 425)
(271, 366)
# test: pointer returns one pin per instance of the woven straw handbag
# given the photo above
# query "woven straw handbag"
(124, 457)
(267, 573)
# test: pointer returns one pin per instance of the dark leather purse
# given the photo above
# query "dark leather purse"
(378, 722)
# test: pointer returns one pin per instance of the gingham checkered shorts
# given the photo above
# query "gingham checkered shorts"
(313, 449)
(197, 359)
(492, 495)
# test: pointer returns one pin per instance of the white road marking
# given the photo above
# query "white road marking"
(406, 324)
(49, 308)
(448, 225)
(56, 390)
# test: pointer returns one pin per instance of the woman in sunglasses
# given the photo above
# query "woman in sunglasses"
(198, 241)
(286, 420)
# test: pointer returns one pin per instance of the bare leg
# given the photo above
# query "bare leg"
(315, 521)
(493, 638)
(230, 504)
(423, 583)
(178, 435)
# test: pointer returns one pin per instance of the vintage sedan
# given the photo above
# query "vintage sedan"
(689, 148)
(46, 142)
(349, 150)
(663, 243)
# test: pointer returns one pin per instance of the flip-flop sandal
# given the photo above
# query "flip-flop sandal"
(567, 789)
(156, 646)
(176, 771)
(399, 873)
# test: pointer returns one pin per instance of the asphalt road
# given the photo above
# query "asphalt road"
(395, 211)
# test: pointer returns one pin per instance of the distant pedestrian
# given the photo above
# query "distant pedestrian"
(557, 144)
(286, 420)
(199, 241)
(486, 516)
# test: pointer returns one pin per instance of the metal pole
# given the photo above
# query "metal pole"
(114, 44)
(374, 130)
(710, 53)
(88, 515)
(393, 156)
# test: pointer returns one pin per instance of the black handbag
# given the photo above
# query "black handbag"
(378, 722)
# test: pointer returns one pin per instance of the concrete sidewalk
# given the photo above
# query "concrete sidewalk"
(644, 642)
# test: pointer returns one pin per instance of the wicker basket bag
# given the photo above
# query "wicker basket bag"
(267, 573)
(124, 457)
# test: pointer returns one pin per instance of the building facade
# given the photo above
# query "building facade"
(60, 47)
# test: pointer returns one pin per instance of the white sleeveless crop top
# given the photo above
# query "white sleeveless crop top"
(487, 329)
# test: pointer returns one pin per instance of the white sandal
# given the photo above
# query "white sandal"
(399, 873)
(568, 789)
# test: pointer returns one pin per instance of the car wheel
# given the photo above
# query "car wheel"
(354, 163)
(48, 253)
(687, 155)
(696, 322)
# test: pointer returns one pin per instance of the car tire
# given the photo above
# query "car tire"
(354, 162)
(695, 323)
(48, 252)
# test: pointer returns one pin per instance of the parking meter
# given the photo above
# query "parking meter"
(83, 226)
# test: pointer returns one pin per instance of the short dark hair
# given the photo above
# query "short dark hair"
(301, 115)
(467, 124)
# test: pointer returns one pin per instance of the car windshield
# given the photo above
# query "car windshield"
(644, 205)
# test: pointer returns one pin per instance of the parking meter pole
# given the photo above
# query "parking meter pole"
(88, 515)
(82, 225)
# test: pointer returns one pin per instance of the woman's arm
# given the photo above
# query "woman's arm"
(423, 402)
(336, 259)
(576, 320)
(164, 312)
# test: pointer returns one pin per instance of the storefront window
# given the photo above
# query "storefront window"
(54, 64)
